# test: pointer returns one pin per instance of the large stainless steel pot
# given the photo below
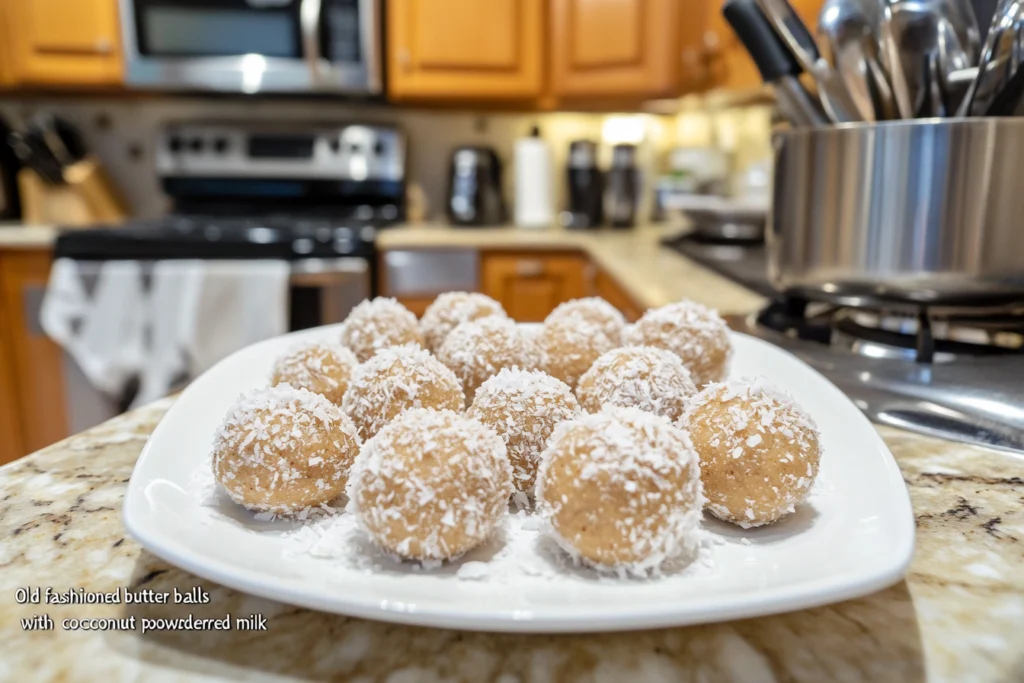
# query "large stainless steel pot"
(904, 212)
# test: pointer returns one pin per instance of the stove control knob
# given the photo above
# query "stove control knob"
(220, 145)
(175, 144)
(197, 145)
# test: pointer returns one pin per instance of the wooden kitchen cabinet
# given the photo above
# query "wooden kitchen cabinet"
(608, 289)
(33, 363)
(530, 284)
(73, 43)
(615, 48)
(694, 70)
(8, 77)
(11, 442)
(465, 49)
(726, 63)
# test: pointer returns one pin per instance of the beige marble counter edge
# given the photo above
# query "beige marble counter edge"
(650, 274)
(17, 236)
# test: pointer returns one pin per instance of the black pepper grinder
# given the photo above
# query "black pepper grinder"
(623, 190)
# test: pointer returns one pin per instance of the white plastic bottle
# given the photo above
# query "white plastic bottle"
(534, 182)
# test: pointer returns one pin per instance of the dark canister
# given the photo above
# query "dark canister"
(586, 185)
(623, 190)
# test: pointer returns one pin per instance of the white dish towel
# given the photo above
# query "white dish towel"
(160, 322)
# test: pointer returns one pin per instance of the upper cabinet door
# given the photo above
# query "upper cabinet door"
(695, 73)
(465, 49)
(66, 42)
(615, 48)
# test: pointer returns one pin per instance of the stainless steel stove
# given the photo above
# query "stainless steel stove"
(951, 373)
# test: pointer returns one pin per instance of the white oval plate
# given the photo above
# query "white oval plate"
(853, 537)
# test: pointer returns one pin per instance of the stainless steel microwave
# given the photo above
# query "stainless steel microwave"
(253, 46)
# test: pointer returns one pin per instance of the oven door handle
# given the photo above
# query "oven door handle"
(309, 25)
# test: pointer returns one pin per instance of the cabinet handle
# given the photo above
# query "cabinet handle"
(712, 43)
(529, 268)
(103, 46)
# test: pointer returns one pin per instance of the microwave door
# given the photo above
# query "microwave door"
(343, 39)
(245, 46)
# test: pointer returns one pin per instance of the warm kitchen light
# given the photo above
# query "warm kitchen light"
(622, 129)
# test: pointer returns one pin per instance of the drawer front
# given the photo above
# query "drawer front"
(531, 285)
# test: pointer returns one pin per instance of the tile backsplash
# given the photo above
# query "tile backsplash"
(122, 132)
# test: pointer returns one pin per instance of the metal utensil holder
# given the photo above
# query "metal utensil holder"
(913, 213)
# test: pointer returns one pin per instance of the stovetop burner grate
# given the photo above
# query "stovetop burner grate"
(951, 374)
(926, 337)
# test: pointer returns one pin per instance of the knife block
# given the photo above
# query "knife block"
(86, 198)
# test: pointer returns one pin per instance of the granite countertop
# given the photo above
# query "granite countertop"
(958, 615)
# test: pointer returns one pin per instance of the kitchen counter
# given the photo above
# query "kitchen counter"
(958, 616)
(19, 236)
(651, 274)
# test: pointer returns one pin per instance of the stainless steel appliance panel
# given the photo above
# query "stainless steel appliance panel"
(430, 271)
(311, 46)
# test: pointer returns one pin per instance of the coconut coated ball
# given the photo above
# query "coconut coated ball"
(759, 451)
(283, 449)
(596, 310)
(431, 485)
(570, 345)
(478, 350)
(645, 377)
(322, 367)
(378, 324)
(523, 407)
(451, 309)
(693, 332)
(395, 380)
(621, 490)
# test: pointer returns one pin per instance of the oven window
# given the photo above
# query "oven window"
(198, 32)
